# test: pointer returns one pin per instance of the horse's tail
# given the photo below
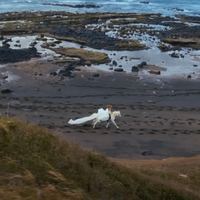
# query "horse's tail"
(71, 121)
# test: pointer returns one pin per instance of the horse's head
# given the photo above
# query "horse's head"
(117, 113)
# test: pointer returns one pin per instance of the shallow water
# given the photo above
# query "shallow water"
(169, 7)
(175, 67)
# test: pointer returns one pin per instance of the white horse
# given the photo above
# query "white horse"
(101, 115)
(112, 117)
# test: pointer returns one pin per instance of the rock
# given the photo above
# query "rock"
(189, 76)
(144, 2)
(67, 73)
(4, 76)
(174, 55)
(95, 39)
(148, 153)
(140, 66)
(95, 75)
(195, 65)
(154, 72)
(5, 91)
(135, 69)
(1, 37)
(53, 73)
(8, 55)
(143, 63)
(114, 63)
(118, 70)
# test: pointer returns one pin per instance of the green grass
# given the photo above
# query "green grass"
(34, 163)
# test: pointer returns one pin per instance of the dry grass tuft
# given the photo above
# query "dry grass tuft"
(92, 56)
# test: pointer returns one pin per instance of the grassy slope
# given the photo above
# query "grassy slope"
(34, 163)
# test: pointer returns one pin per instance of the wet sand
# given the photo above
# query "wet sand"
(157, 116)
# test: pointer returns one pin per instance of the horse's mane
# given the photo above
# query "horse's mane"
(115, 113)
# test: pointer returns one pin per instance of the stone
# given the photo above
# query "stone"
(95, 75)
(118, 70)
(53, 73)
(5, 90)
(148, 153)
(154, 72)
(174, 55)
(143, 63)
(135, 69)
(114, 63)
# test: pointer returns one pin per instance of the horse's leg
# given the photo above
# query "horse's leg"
(108, 122)
(96, 121)
(113, 121)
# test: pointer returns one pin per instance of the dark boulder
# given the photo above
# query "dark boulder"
(174, 55)
(143, 63)
(144, 2)
(118, 70)
(135, 69)
(154, 72)
(95, 75)
(5, 91)
(53, 73)
(67, 73)
(114, 63)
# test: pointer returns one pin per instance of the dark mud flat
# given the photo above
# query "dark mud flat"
(163, 120)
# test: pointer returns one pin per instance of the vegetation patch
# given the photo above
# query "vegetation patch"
(69, 39)
(36, 164)
(92, 56)
(134, 44)
(181, 41)
(154, 67)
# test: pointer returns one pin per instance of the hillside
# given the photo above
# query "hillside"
(35, 164)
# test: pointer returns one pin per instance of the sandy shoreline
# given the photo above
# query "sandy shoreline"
(157, 116)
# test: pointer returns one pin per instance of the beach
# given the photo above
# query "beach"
(160, 119)
(74, 64)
